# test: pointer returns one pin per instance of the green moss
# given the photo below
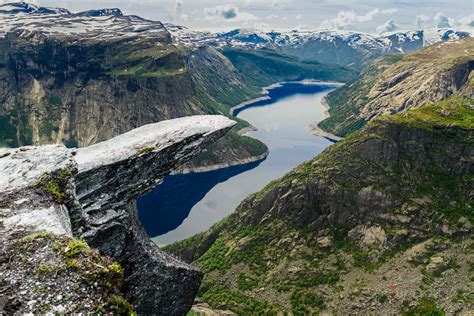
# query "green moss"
(75, 248)
(47, 269)
(117, 305)
(464, 296)
(426, 306)
(55, 183)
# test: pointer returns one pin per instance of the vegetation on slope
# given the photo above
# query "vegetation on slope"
(264, 67)
(395, 83)
(327, 235)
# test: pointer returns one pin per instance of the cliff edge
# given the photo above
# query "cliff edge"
(68, 216)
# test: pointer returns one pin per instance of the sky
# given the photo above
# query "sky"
(359, 15)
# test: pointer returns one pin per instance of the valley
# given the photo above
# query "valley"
(151, 168)
(281, 122)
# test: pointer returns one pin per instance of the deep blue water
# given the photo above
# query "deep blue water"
(184, 205)
(188, 189)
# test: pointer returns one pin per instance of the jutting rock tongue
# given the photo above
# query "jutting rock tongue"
(112, 174)
(95, 200)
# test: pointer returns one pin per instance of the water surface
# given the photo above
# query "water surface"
(185, 205)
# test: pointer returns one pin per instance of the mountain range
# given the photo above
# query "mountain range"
(388, 206)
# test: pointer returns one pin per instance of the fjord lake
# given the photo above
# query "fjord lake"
(187, 204)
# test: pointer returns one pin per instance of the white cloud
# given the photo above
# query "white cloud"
(178, 6)
(466, 21)
(389, 11)
(388, 26)
(184, 17)
(298, 17)
(228, 12)
(347, 19)
(441, 20)
(262, 26)
(421, 20)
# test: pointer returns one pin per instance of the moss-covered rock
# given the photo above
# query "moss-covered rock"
(59, 274)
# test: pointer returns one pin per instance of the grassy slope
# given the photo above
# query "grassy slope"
(250, 250)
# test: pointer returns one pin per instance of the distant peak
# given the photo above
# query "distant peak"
(101, 12)
(25, 7)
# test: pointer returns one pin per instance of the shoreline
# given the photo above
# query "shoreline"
(312, 128)
(316, 130)
(221, 165)
(266, 91)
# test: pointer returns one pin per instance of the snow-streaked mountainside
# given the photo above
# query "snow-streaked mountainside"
(105, 23)
(310, 45)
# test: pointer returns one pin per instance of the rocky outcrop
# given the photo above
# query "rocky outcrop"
(90, 193)
(394, 84)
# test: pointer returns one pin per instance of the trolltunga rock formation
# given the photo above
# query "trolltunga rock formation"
(90, 193)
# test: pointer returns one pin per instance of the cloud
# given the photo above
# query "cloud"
(441, 20)
(262, 26)
(228, 12)
(347, 19)
(388, 26)
(389, 11)
(421, 20)
(178, 7)
(466, 21)
(298, 17)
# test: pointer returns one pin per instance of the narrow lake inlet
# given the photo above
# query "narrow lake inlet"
(184, 205)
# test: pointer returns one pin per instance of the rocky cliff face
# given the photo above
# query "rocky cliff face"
(53, 195)
(389, 205)
(396, 83)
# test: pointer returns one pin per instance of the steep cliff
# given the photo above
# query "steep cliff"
(395, 83)
(389, 205)
(62, 82)
(51, 195)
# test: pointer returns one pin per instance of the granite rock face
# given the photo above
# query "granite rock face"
(90, 193)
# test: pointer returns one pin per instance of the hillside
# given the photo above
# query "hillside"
(82, 84)
(389, 205)
(393, 84)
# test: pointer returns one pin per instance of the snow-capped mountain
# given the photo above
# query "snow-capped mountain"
(105, 23)
(24, 7)
(339, 47)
